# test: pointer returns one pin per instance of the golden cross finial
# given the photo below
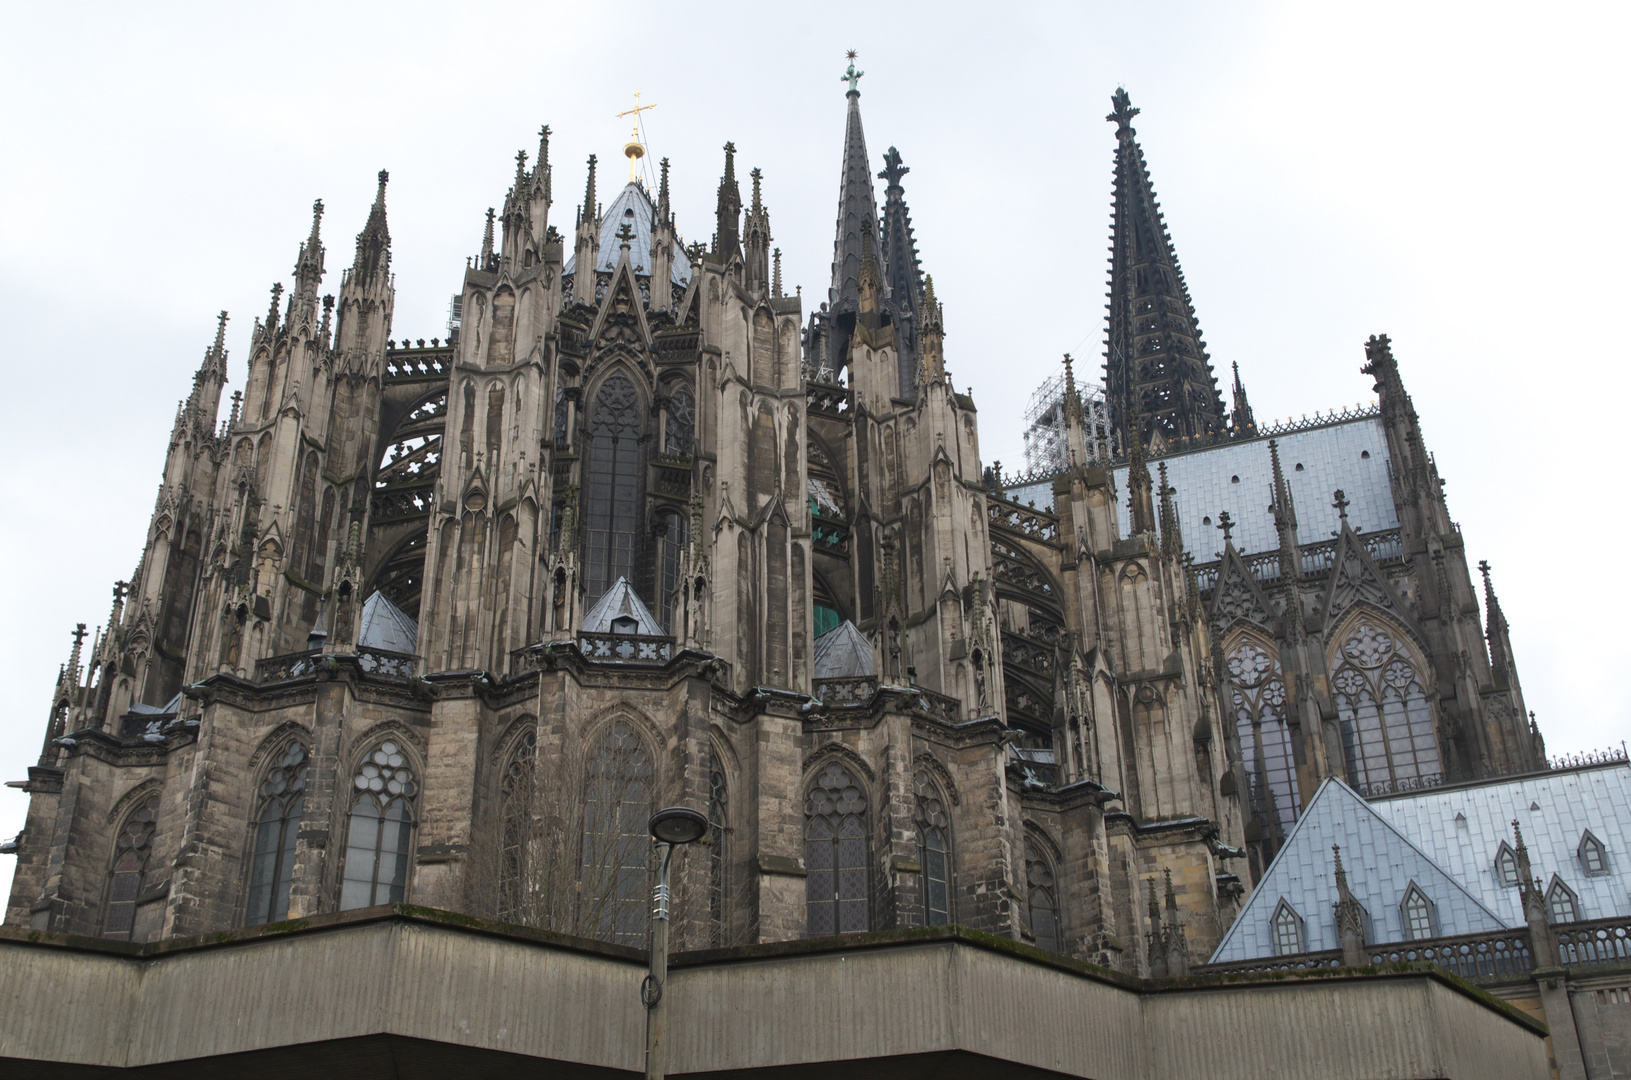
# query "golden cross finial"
(634, 151)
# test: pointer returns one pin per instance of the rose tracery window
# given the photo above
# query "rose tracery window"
(836, 894)
(271, 863)
(1258, 697)
(1386, 722)
(380, 834)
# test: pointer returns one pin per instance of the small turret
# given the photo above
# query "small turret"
(727, 215)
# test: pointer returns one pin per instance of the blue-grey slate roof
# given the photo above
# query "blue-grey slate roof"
(633, 207)
(386, 626)
(1462, 829)
(621, 601)
(1381, 863)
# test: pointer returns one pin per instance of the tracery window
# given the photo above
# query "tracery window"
(1562, 906)
(670, 540)
(1418, 914)
(271, 861)
(616, 845)
(1388, 742)
(1258, 695)
(836, 894)
(681, 436)
(516, 808)
(562, 440)
(132, 850)
(1288, 930)
(611, 509)
(718, 857)
(933, 853)
(1041, 898)
(380, 833)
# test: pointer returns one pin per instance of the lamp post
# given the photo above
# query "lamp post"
(669, 827)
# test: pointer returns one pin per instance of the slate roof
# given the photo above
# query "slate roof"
(386, 626)
(843, 652)
(1381, 863)
(619, 601)
(633, 207)
(1462, 827)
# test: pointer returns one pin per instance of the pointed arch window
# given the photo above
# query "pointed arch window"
(1258, 697)
(616, 844)
(1420, 917)
(933, 853)
(612, 501)
(670, 537)
(1593, 855)
(1388, 742)
(271, 861)
(1287, 927)
(379, 836)
(681, 435)
(516, 809)
(1041, 898)
(718, 857)
(1562, 905)
(836, 890)
(1506, 865)
(128, 878)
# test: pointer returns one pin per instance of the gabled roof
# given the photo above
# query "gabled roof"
(386, 626)
(620, 601)
(1381, 863)
(843, 652)
(1554, 810)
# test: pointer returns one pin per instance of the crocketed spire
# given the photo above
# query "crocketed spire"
(857, 229)
(374, 242)
(1155, 349)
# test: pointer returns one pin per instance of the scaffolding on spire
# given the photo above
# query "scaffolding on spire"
(1047, 447)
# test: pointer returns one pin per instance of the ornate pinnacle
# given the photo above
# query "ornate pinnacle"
(520, 169)
(1123, 112)
(1226, 524)
(221, 332)
(776, 276)
(852, 76)
(1341, 507)
(730, 163)
(758, 207)
(589, 192)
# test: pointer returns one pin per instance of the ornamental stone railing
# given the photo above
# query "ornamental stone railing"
(1384, 546)
(289, 666)
(851, 690)
(1024, 520)
(405, 363)
(1604, 941)
(386, 662)
(941, 707)
(1471, 956)
(625, 648)
(1331, 958)
(834, 401)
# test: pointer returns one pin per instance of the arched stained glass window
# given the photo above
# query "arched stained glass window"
(516, 808)
(1258, 696)
(681, 436)
(616, 843)
(933, 853)
(718, 857)
(271, 862)
(613, 496)
(1041, 898)
(379, 837)
(836, 893)
(1388, 743)
(670, 538)
(132, 851)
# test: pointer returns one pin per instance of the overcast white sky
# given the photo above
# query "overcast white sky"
(1453, 175)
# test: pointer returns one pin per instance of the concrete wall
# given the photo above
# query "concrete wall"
(462, 992)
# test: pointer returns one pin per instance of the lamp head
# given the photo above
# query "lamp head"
(678, 825)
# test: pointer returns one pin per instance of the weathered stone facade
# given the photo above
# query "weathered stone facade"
(1030, 739)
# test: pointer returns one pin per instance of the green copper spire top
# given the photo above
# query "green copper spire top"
(852, 76)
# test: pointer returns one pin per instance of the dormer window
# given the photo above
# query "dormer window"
(1288, 930)
(625, 624)
(1419, 921)
(1593, 855)
(1562, 905)
(1506, 865)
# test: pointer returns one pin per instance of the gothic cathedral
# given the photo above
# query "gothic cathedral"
(444, 623)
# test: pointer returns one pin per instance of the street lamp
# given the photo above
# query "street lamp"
(669, 827)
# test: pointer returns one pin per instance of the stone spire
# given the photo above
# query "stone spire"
(1542, 945)
(486, 262)
(756, 239)
(857, 228)
(1241, 420)
(1495, 632)
(308, 267)
(932, 334)
(1284, 510)
(1155, 349)
(728, 212)
(1350, 918)
(374, 242)
(902, 269)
